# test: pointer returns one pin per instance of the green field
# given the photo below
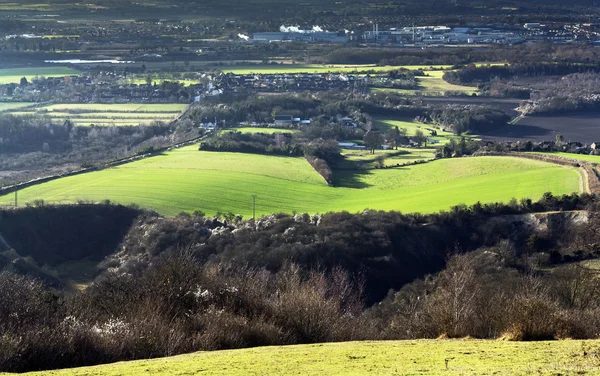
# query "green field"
(121, 107)
(129, 114)
(315, 68)
(263, 130)
(420, 357)
(365, 159)
(432, 84)
(14, 75)
(579, 157)
(186, 180)
(6, 106)
(412, 127)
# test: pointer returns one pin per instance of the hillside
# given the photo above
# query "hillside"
(422, 357)
(189, 180)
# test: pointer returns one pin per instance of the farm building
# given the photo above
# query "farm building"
(284, 119)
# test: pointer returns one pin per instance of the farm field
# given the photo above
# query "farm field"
(315, 68)
(582, 127)
(186, 180)
(433, 85)
(262, 130)
(402, 156)
(420, 357)
(14, 75)
(130, 114)
(579, 157)
(412, 127)
(6, 106)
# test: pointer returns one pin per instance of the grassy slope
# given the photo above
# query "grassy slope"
(186, 179)
(14, 75)
(422, 357)
(580, 157)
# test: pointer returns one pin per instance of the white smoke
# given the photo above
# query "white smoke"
(244, 37)
(296, 29)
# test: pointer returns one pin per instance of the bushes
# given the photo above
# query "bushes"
(259, 143)
(175, 306)
(479, 295)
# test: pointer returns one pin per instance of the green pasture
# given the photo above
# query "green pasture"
(316, 68)
(401, 156)
(119, 107)
(262, 130)
(129, 114)
(14, 75)
(103, 115)
(186, 180)
(8, 106)
(432, 84)
(412, 127)
(579, 157)
(417, 357)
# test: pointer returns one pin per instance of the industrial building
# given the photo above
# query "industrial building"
(302, 36)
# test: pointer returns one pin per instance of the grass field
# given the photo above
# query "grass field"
(187, 180)
(579, 157)
(129, 114)
(412, 127)
(7, 106)
(421, 357)
(263, 130)
(432, 84)
(392, 157)
(14, 75)
(315, 68)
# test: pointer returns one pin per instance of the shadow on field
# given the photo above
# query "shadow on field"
(350, 178)
(519, 131)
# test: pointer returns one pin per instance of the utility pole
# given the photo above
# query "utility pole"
(16, 198)
(253, 208)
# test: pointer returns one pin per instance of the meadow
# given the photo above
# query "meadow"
(579, 157)
(262, 130)
(412, 127)
(186, 180)
(420, 357)
(14, 75)
(392, 157)
(432, 85)
(129, 114)
(7, 106)
(317, 68)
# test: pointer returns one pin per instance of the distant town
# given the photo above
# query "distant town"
(437, 35)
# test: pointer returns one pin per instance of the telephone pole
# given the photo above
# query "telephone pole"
(253, 208)
(16, 198)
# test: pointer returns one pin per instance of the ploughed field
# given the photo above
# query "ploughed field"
(421, 357)
(582, 127)
(187, 179)
(129, 114)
